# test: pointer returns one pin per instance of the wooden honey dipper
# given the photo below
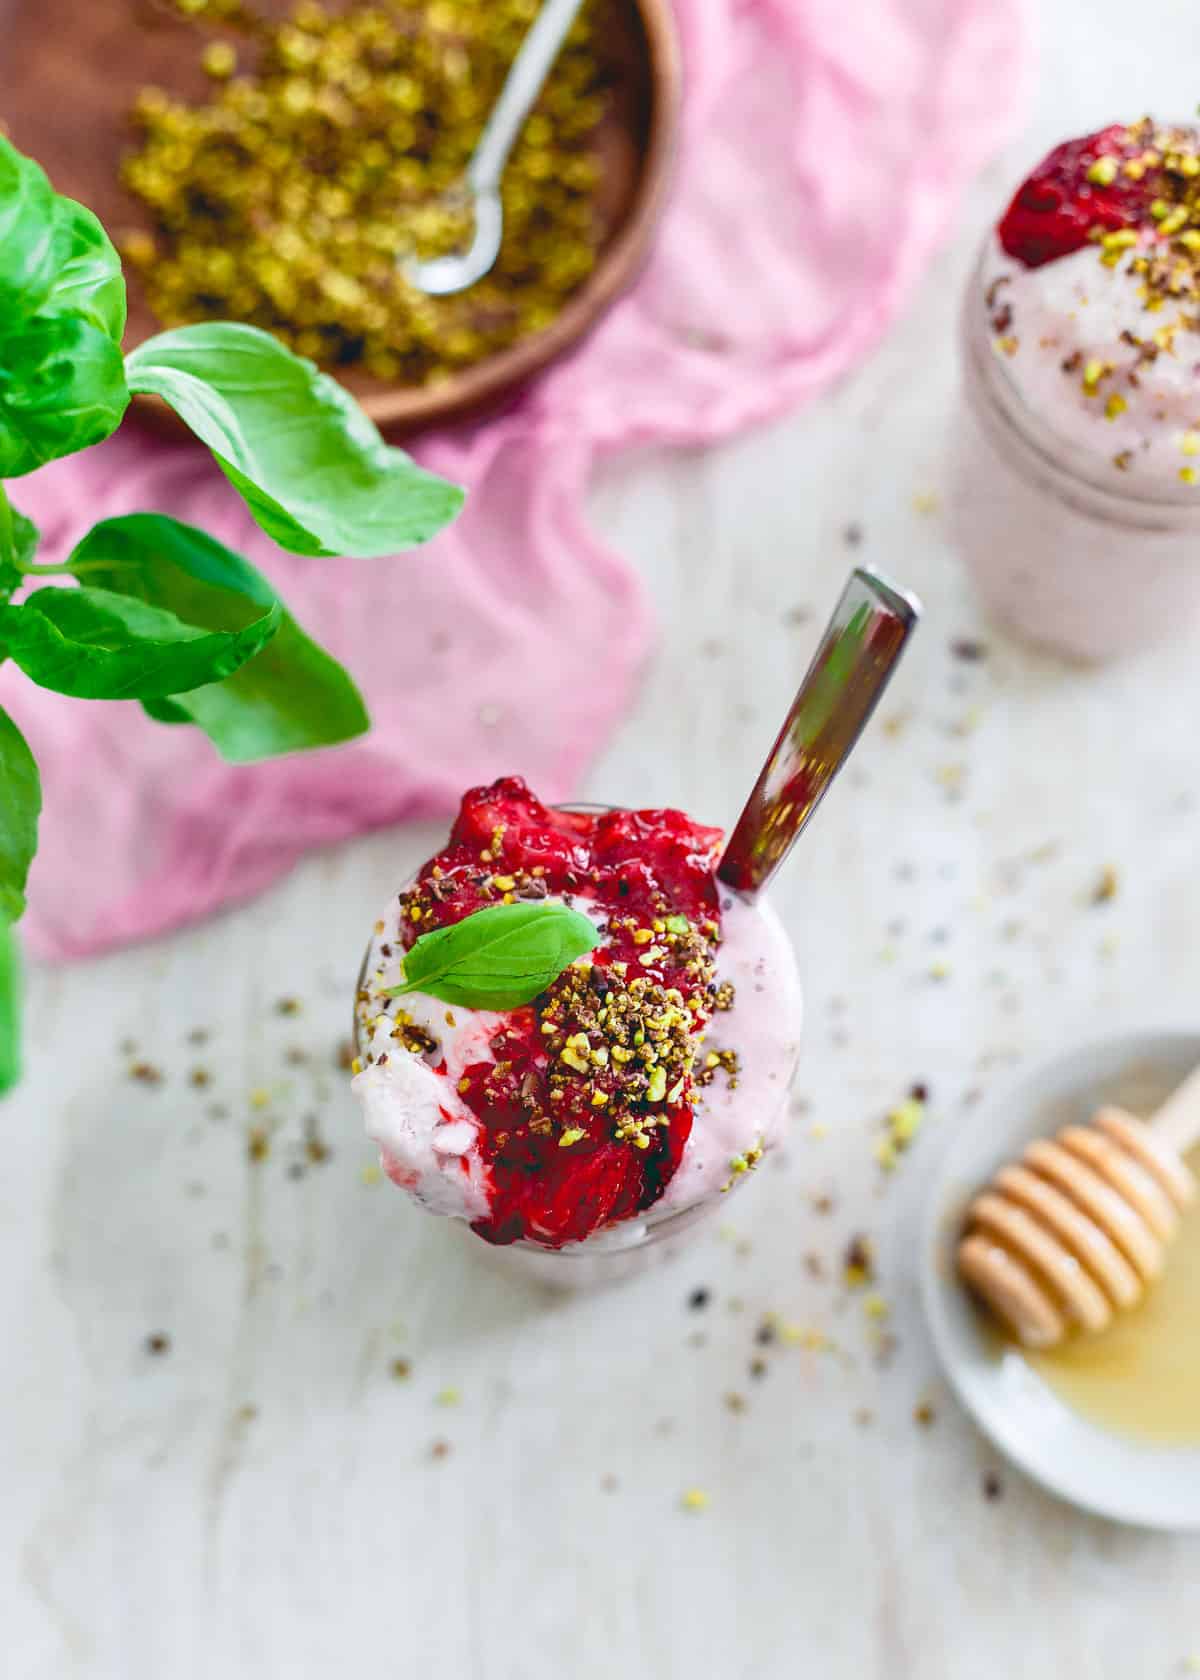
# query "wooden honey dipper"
(1078, 1229)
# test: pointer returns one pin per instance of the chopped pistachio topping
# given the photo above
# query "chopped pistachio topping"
(1161, 259)
(739, 1165)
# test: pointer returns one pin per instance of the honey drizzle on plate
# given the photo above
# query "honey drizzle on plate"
(1141, 1377)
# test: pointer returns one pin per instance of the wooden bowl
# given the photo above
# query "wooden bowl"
(70, 70)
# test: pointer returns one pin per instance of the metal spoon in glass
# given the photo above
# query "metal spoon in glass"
(852, 666)
(440, 276)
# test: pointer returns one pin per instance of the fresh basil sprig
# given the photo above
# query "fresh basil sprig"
(153, 610)
(498, 958)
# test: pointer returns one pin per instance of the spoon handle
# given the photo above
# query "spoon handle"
(858, 653)
(535, 57)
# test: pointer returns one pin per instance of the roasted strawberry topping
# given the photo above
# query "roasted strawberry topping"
(1081, 187)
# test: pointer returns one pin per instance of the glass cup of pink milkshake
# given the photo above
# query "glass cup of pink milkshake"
(1074, 494)
(581, 1130)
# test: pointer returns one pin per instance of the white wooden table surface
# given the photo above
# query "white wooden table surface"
(263, 1498)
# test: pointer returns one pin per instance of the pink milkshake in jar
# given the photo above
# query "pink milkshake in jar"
(572, 1038)
(1074, 488)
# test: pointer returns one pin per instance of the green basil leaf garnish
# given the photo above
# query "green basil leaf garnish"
(62, 388)
(498, 958)
(309, 464)
(20, 805)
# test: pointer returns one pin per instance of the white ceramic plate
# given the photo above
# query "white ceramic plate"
(1116, 1477)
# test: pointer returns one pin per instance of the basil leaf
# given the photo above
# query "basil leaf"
(10, 1009)
(62, 312)
(168, 564)
(291, 697)
(88, 281)
(20, 805)
(499, 958)
(62, 388)
(98, 645)
(27, 235)
(58, 260)
(312, 469)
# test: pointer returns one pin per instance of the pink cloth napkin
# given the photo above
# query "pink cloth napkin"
(825, 146)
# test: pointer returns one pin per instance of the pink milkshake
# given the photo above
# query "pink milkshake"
(1075, 469)
(579, 1122)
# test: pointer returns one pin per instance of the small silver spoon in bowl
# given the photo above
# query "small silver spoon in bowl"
(851, 668)
(458, 270)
